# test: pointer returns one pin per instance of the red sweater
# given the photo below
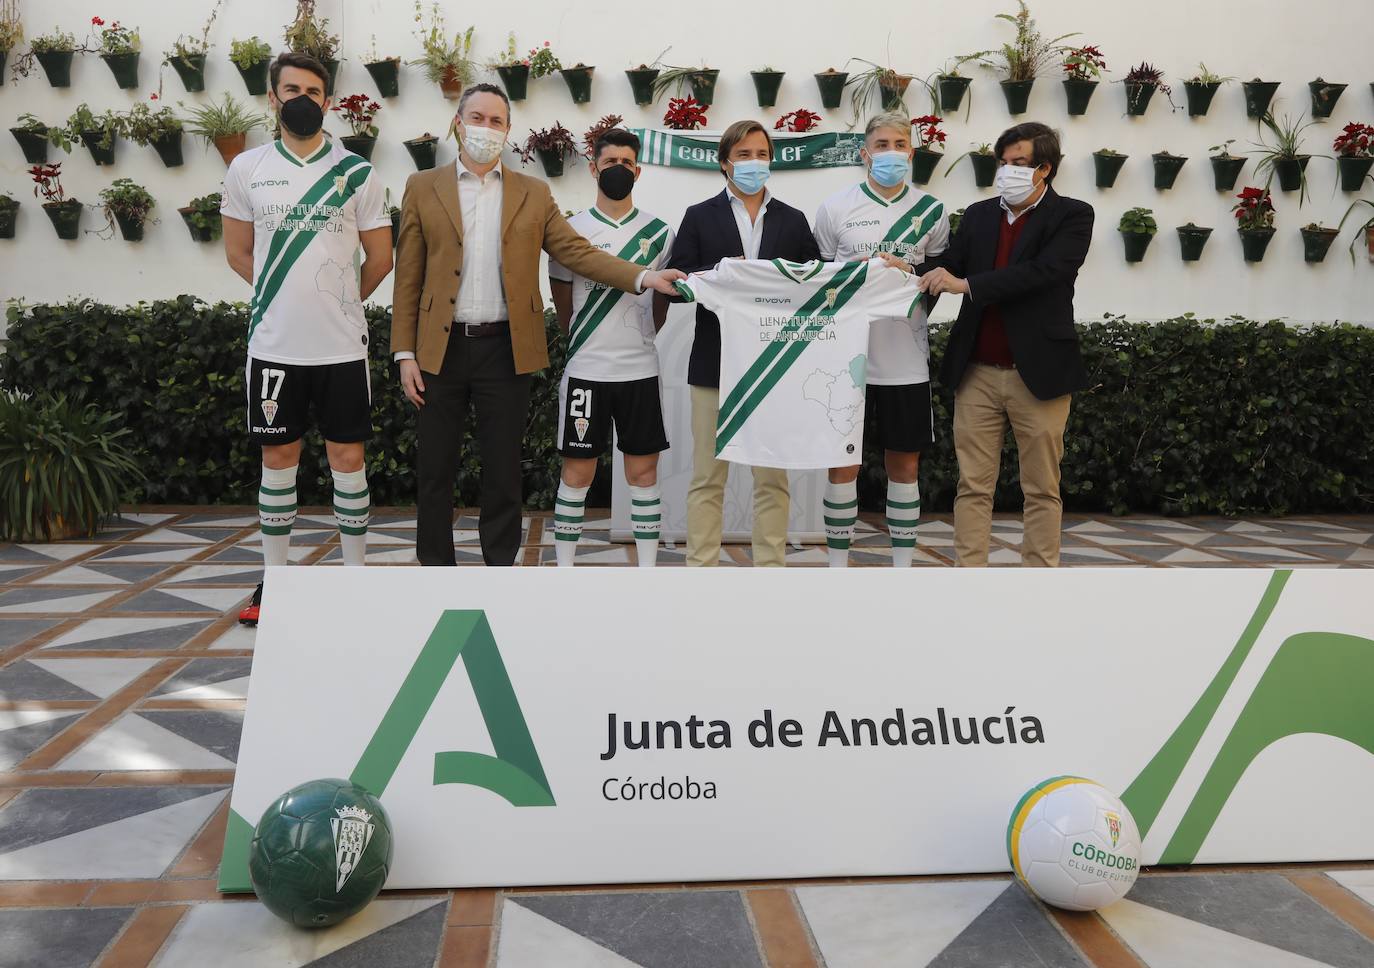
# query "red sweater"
(991, 345)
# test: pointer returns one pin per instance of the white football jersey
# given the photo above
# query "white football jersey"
(306, 215)
(611, 335)
(794, 353)
(857, 222)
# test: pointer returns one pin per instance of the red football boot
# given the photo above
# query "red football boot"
(248, 615)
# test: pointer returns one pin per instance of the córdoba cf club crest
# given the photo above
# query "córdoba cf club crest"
(269, 411)
(353, 829)
(830, 296)
(1113, 826)
(580, 425)
(644, 247)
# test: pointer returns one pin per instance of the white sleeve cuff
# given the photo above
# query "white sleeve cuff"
(639, 282)
(400, 355)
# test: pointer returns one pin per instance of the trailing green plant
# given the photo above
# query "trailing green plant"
(127, 198)
(1029, 55)
(143, 125)
(109, 124)
(309, 33)
(59, 41)
(1364, 229)
(875, 82)
(246, 53)
(1283, 145)
(1138, 221)
(219, 120)
(203, 213)
(187, 46)
(443, 60)
(57, 135)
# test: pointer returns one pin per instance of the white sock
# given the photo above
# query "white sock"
(903, 514)
(352, 510)
(841, 510)
(276, 513)
(568, 511)
(646, 513)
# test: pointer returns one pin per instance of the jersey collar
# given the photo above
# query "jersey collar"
(601, 216)
(906, 189)
(799, 271)
(290, 156)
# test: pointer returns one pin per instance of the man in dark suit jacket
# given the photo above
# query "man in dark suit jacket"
(743, 221)
(1013, 354)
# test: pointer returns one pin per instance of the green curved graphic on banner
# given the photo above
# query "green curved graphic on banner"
(506, 781)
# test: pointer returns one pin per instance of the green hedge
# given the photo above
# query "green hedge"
(1184, 416)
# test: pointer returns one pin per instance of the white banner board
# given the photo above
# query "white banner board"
(573, 727)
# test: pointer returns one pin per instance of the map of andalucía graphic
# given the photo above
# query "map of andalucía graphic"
(840, 394)
(337, 281)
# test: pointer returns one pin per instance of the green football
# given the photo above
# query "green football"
(320, 853)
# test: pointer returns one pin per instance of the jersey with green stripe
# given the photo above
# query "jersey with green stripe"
(857, 222)
(611, 335)
(306, 215)
(793, 354)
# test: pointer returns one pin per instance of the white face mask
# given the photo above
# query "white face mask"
(1015, 183)
(483, 145)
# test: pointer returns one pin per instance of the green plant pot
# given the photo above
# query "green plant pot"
(984, 169)
(130, 228)
(831, 85)
(124, 67)
(34, 146)
(201, 233)
(168, 148)
(1353, 172)
(424, 152)
(1079, 92)
(1225, 171)
(1191, 241)
(1258, 94)
(255, 76)
(1167, 168)
(57, 64)
(515, 78)
(703, 84)
(1199, 96)
(923, 164)
(101, 156)
(1253, 242)
(1316, 242)
(1324, 97)
(1136, 244)
(65, 218)
(360, 144)
(1017, 94)
(395, 227)
(8, 215)
(579, 81)
(1138, 96)
(332, 67)
(191, 70)
(4, 56)
(642, 84)
(1289, 172)
(386, 74)
(552, 162)
(1106, 168)
(766, 84)
(952, 88)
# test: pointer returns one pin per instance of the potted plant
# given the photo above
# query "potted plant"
(9, 209)
(119, 48)
(385, 71)
(1191, 239)
(1325, 94)
(983, 162)
(1258, 94)
(253, 58)
(1167, 167)
(53, 52)
(445, 62)
(593, 134)
(951, 84)
(1141, 83)
(1254, 221)
(1283, 156)
(1107, 164)
(98, 132)
(1082, 68)
(1024, 59)
(161, 129)
(188, 54)
(202, 218)
(701, 81)
(798, 121)
(11, 32)
(831, 84)
(63, 212)
(225, 125)
(513, 70)
(423, 151)
(579, 81)
(1354, 148)
(684, 114)
(309, 34)
(641, 80)
(1366, 230)
(552, 145)
(1200, 89)
(34, 137)
(64, 467)
(887, 83)
(1137, 228)
(127, 204)
(1225, 166)
(767, 81)
(359, 111)
(1316, 239)
(927, 154)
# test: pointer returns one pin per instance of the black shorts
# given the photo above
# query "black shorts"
(899, 417)
(280, 396)
(587, 408)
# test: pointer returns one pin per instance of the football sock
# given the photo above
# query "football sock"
(352, 509)
(841, 510)
(903, 514)
(647, 520)
(276, 512)
(568, 510)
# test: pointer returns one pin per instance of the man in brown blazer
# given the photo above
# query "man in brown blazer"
(467, 323)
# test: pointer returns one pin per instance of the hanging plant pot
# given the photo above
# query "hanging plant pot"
(101, 156)
(124, 67)
(8, 214)
(1289, 171)
(1225, 171)
(1079, 92)
(331, 68)
(4, 56)
(57, 64)
(923, 164)
(552, 160)
(579, 81)
(191, 70)
(1315, 242)
(1258, 94)
(893, 89)
(831, 84)
(386, 74)
(1167, 167)
(1191, 240)
(1138, 95)
(360, 144)
(515, 78)
(642, 84)
(1369, 240)
(766, 84)
(168, 147)
(1105, 167)
(703, 84)
(65, 217)
(1199, 96)
(1253, 242)
(201, 233)
(1017, 94)
(423, 152)
(33, 144)
(255, 76)
(231, 146)
(984, 169)
(451, 83)
(952, 88)
(1353, 172)
(130, 227)
(1324, 97)
(1136, 244)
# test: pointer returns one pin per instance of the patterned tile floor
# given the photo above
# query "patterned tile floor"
(122, 685)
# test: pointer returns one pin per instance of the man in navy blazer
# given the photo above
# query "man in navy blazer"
(743, 221)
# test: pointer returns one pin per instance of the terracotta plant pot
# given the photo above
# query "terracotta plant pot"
(893, 90)
(703, 84)
(984, 169)
(255, 76)
(1136, 244)
(1324, 97)
(1167, 168)
(831, 85)
(65, 217)
(766, 84)
(33, 144)
(130, 228)
(8, 215)
(168, 148)
(423, 151)
(642, 84)
(1106, 168)
(231, 146)
(923, 164)
(1017, 94)
(1253, 242)
(1353, 172)
(1315, 242)
(952, 88)
(579, 81)
(1191, 240)
(1078, 92)
(451, 84)
(101, 156)
(552, 162)
(360, 144)
(386, 74)
(515, 78)
(191, 70)
(124, 67)
(1199, 96)
(1225, 171)
(57, 65)
(1258, 94)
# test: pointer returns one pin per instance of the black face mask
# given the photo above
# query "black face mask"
(302, 116)
(616, 182)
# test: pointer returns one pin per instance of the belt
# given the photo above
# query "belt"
(496, 328)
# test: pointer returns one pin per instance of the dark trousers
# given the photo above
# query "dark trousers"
(479, 371)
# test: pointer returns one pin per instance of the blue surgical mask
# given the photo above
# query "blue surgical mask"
(750, 176)
(889, 168)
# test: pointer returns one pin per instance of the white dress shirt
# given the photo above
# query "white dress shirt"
(1013, 216)
(750, 233)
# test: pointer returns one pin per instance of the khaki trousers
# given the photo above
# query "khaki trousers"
(706, 494)
(988, 399)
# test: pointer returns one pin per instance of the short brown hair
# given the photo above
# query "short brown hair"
(736, 133)
(485, 88)
(1044, 144)
(305, 62)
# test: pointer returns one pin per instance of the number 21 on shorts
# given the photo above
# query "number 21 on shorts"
(580, 409)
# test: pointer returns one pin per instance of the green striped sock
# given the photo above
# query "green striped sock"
(646, 517)
(276, 513)
(568, 510)
(841, 509)
(352, 511)
(903, 515)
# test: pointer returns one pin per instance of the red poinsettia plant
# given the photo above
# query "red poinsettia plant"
(47, 181)
(556, 140)
(684, 114)
(1355, 141)
(797, 121)
(1255, 210)
(1084, 63)
(595, 132)
(359, 111)
(928, 133)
